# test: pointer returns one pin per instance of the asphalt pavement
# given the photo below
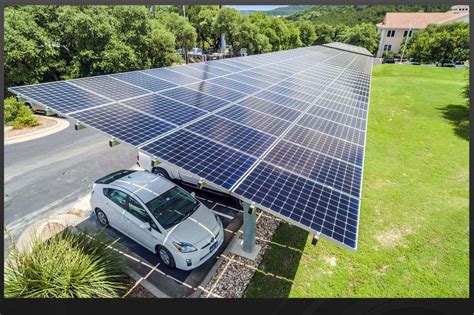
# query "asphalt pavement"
(46, 174)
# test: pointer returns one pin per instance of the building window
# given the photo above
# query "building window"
(387, 47)
(407, 33)
(391, 33)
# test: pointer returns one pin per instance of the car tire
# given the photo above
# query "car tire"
(162, 172)
(103, 220)
(165, 257)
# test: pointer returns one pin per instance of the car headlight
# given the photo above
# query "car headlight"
(218, 219)
(184, 247)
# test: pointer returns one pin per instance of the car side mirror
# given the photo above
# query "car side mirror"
(145, 225)
(193, 194)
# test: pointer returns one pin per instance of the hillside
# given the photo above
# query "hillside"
(289, 10)
(283, 11)
(355, 14)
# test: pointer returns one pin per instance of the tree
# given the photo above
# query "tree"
(203, 20)
(44, 43)
(325, 33)
(307, 33)
(29, 53)
(181, 28)
(161, 43)
(227, 22)
(440, 42)
(248, 36)
(293, 38)
(364, 35)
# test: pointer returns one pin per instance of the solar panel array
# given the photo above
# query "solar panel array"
(350, 48)
(285, 130)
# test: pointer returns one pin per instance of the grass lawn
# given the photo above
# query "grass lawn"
(414, 228)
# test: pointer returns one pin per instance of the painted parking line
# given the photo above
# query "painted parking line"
(154, 268)
(140, 280)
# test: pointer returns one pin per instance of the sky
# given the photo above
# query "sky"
(257, 7)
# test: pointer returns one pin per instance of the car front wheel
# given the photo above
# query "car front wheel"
(101, 217)
(165, 257)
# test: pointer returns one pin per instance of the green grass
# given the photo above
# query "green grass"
(414, 228)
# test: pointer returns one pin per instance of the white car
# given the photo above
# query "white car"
(159, 215)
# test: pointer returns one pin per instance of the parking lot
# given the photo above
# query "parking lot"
(44, 176)
(145, 267)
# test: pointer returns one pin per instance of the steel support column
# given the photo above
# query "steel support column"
(249, 227)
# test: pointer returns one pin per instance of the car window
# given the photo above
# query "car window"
(118, 197)
(136, 209)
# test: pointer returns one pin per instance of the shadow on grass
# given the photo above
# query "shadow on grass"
(458, 115)
(279, 266)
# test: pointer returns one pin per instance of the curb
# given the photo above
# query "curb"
(61, 124)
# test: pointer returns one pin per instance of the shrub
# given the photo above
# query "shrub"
(68, 265)
(18, 114)
(25, 118)
(11, 110)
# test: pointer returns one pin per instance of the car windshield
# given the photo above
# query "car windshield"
(172, 207)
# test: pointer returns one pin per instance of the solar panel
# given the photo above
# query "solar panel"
(110, 87)
(123, 123)
(349, 48)
(61, 96)
(144, 81)
(229, 133)
(215, 162)
(165, 108)
(217, 91)
(195, 98)
(285, 130)
(255, 119)
(171, 76)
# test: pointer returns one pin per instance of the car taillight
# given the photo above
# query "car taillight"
(138, 156)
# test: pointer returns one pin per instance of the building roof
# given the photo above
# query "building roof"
(417, 20)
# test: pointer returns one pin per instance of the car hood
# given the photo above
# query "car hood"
(199, 227)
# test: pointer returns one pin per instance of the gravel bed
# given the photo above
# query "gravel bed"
(232, 277)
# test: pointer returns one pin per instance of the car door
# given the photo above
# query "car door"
(116, 203)
(135, 217)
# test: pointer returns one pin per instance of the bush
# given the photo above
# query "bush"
(18, 114)
(68, 265)
(12, 107)
(25, 118)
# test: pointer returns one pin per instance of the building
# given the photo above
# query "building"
(398, 25)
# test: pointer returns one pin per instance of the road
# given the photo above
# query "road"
(45, 174)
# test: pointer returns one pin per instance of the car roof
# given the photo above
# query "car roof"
(144, 185)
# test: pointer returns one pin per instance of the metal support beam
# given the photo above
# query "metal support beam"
(315, 239)
(79, 126)
(113, 142)
(49, 112)
(249, 227)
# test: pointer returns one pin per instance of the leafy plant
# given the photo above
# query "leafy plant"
(18, 114)
(25, 118)
(68, 265)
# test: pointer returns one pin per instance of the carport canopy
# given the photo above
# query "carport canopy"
(285, 131)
